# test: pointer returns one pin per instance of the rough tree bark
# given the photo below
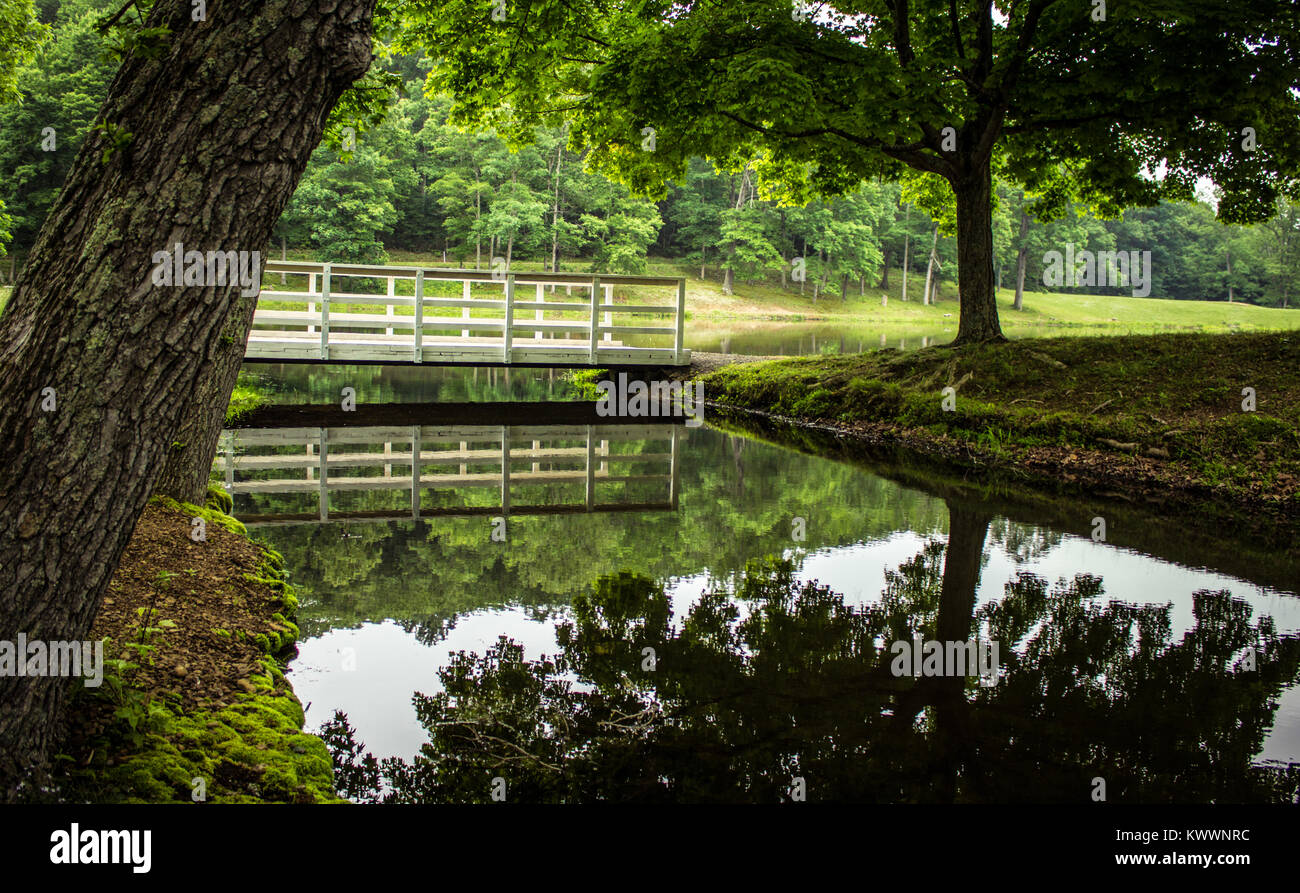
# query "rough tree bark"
(978, 320)
(221, 126)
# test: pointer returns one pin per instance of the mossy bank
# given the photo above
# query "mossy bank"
(1202, 420)
(194, 706)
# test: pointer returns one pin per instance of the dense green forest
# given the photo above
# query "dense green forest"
(415, 184)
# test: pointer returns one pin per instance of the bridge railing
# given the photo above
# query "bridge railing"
(438, 465)
(425, 315)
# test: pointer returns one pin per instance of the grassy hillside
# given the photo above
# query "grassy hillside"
(767, 300)
(1153, 408)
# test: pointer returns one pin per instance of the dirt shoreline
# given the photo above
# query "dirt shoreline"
(195, 706)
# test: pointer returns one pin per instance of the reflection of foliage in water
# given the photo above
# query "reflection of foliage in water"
(1024, 542)
(738, 499)
(774, 679)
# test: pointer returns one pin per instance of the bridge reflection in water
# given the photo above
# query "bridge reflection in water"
(288, 475)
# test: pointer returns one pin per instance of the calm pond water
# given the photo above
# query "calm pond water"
(672, 614)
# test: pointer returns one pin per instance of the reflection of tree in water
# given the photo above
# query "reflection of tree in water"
(1023, 542)
(773, 679)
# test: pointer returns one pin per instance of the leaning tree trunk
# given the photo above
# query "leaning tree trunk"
(188, 465)
(978, 320)
(929, 270)
(219, 128)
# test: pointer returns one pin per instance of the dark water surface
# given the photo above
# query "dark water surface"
(673, 614)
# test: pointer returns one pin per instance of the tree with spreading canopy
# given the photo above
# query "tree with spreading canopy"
(205, 131)
(1134, 101)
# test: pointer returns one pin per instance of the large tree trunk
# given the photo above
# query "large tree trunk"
(978, 320)
(1022, 258)
(222, 124)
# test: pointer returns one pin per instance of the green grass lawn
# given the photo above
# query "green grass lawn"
(768, 300)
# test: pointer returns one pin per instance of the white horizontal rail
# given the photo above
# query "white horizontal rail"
(331, 322)
(325, 451)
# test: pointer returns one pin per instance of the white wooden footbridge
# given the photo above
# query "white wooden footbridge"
(338, 474)
(361, 314)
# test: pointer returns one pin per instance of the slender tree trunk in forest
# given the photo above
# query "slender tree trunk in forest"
(555, 214)
(844, 288)
(284, 255)
(478, 215)
(978, 319)
(222, 124)
(1022, 259)
(929, 270)
(728, 277)
(884, 273)
(1231, 294)
(907, 244)
(703, 248)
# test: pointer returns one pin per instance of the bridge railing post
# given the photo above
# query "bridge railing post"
(541, 299)
(595, 317)
(324, 469)
(674, 484)
(464, 313)
(230, 462)
(392, 293)
(679, 336)
(311, 304)
(505, 470)
(415, 472)
(591, 472)
(609, 317)
(510, 316)
(419, 316)
(325, 314)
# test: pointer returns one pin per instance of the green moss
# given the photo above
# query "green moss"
(208, 514)
(219, 499)
(253, 751)
(249, 393)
